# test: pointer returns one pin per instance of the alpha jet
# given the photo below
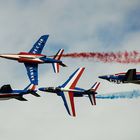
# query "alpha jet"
(6, 92)
(131, 76)
(69, 90)
(34, 57)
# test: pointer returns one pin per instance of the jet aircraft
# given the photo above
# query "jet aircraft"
(34, 57)
(69, 90)
(6, 92)
(131, 76)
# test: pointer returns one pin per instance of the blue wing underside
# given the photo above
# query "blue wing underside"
(32, 72)
(39, 45)
(65, 102)
(32, 69)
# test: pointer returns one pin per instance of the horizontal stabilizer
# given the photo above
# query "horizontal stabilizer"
(20, 98)
(35, 94)
(92, 92)
(92, 99)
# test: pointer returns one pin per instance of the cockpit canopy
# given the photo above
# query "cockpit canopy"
(53, 89)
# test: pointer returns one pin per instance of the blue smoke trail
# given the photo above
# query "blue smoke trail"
(120, 95)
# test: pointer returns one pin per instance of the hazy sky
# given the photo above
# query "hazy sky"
(75, 25)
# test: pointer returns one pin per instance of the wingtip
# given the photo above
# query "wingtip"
(45, 36)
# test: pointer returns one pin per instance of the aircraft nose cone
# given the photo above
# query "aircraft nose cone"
(42, 89)
(2, 55)
(103, 77)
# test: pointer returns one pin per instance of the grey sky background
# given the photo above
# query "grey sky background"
(91, 25)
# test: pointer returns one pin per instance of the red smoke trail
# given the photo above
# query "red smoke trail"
(108, 57)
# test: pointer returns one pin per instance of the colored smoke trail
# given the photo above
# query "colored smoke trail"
(121, 95)
(108, 57)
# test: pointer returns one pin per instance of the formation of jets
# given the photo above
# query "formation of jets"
(68, 90)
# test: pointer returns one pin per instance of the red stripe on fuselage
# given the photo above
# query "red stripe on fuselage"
(26, 60)
(25, 53)
(123, 73)
(8, 95)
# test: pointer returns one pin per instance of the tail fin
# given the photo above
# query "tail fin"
(31, 88)
(6, 88)
(130, 75)
(56, 66)
(92, 93)
(95, 86)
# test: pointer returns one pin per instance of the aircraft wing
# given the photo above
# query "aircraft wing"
(68, 99)
(73, 79)
(20, 98)
(32, 72)
(39, 45)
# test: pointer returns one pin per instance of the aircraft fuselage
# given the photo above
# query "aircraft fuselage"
(120, 78)
(13, 94)
(30, 58)
(78, 92)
